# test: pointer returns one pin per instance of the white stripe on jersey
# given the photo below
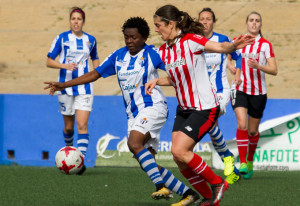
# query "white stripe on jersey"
(185, 64)
(253, 80)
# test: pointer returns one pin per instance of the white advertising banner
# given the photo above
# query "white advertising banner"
(278, 147)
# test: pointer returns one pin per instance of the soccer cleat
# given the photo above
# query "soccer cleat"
(232, 178)
(218, 192)
(162, 193)
(83, 169)
(188, 199)
(250, 170)
(243, 168)
(229, 165)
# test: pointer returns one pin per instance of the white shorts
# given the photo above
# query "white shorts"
(69, 104)
(224, 99)
(149, 119)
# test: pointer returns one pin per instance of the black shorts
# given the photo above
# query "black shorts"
(195, 123)
(254, 103)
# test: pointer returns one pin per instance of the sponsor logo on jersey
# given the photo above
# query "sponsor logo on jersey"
(129, 87)
(177, 63)
(125, 74)
(250, 55)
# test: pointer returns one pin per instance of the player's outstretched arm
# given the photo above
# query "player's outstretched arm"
(58, 86)
(228, 47)
(164, 81)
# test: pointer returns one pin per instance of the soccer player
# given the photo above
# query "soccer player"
(136, 64)
(216, 66)
(250, 97)
(198, 109)
(74, 48)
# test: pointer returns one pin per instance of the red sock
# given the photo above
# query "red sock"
(242, 144)
(253, 140)
(198, 165)
(197, 182)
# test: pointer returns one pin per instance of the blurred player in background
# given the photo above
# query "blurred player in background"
(136, 64)
(216, 67)
(250, 96)
(198, 109)
(74, 48)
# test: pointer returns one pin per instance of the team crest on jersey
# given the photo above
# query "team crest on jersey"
(89, 44)
(144, 120)
(141, 61)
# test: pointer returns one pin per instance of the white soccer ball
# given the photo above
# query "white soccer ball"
(69, 160)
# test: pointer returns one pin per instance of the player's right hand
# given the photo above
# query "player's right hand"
(150, 85)
(71, 66)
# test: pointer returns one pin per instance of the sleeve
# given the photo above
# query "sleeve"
(236, 55)
(197, 42)
(55, 47)
(107, 67)
(269, 51)
(156, 60)
(94, 53)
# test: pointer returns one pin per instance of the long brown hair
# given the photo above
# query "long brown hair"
(183, 20)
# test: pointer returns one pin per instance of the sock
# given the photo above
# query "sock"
(219, 142)
(242, 144)
(149, 165)
(236, 171)
(197, 182)
(253, 140)
(82, 143)
(172, 182)
(200, 167)
(68, 138)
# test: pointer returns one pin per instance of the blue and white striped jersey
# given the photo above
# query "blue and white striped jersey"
(73, 49)
(216, 64)
(132, 73)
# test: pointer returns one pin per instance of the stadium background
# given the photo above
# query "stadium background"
(27, 28)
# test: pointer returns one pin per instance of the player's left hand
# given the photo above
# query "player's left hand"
(242, 41)
(252, 63)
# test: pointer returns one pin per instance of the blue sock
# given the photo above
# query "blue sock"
(172, 182)
(219, 142)
(68, 138)
(236, 171)
(149, 165)
(82, 143)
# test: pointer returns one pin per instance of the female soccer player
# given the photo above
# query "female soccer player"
(216, 66)
(250, 96)
(74, 48)
(198, 110)
(136, 64)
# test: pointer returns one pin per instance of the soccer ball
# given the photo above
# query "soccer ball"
(69, 160)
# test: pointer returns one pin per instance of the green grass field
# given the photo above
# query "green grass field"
(111, 186)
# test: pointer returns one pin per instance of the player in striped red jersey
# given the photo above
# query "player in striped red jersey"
(250, 96)
(74, 47)
(134, 65)
(198, 109)
(216, 66)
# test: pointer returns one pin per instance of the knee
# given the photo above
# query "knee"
(178, 154)
(133, 146)
(81, 126)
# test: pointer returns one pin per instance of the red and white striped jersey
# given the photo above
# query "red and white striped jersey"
(253, 80)
(185, 64)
